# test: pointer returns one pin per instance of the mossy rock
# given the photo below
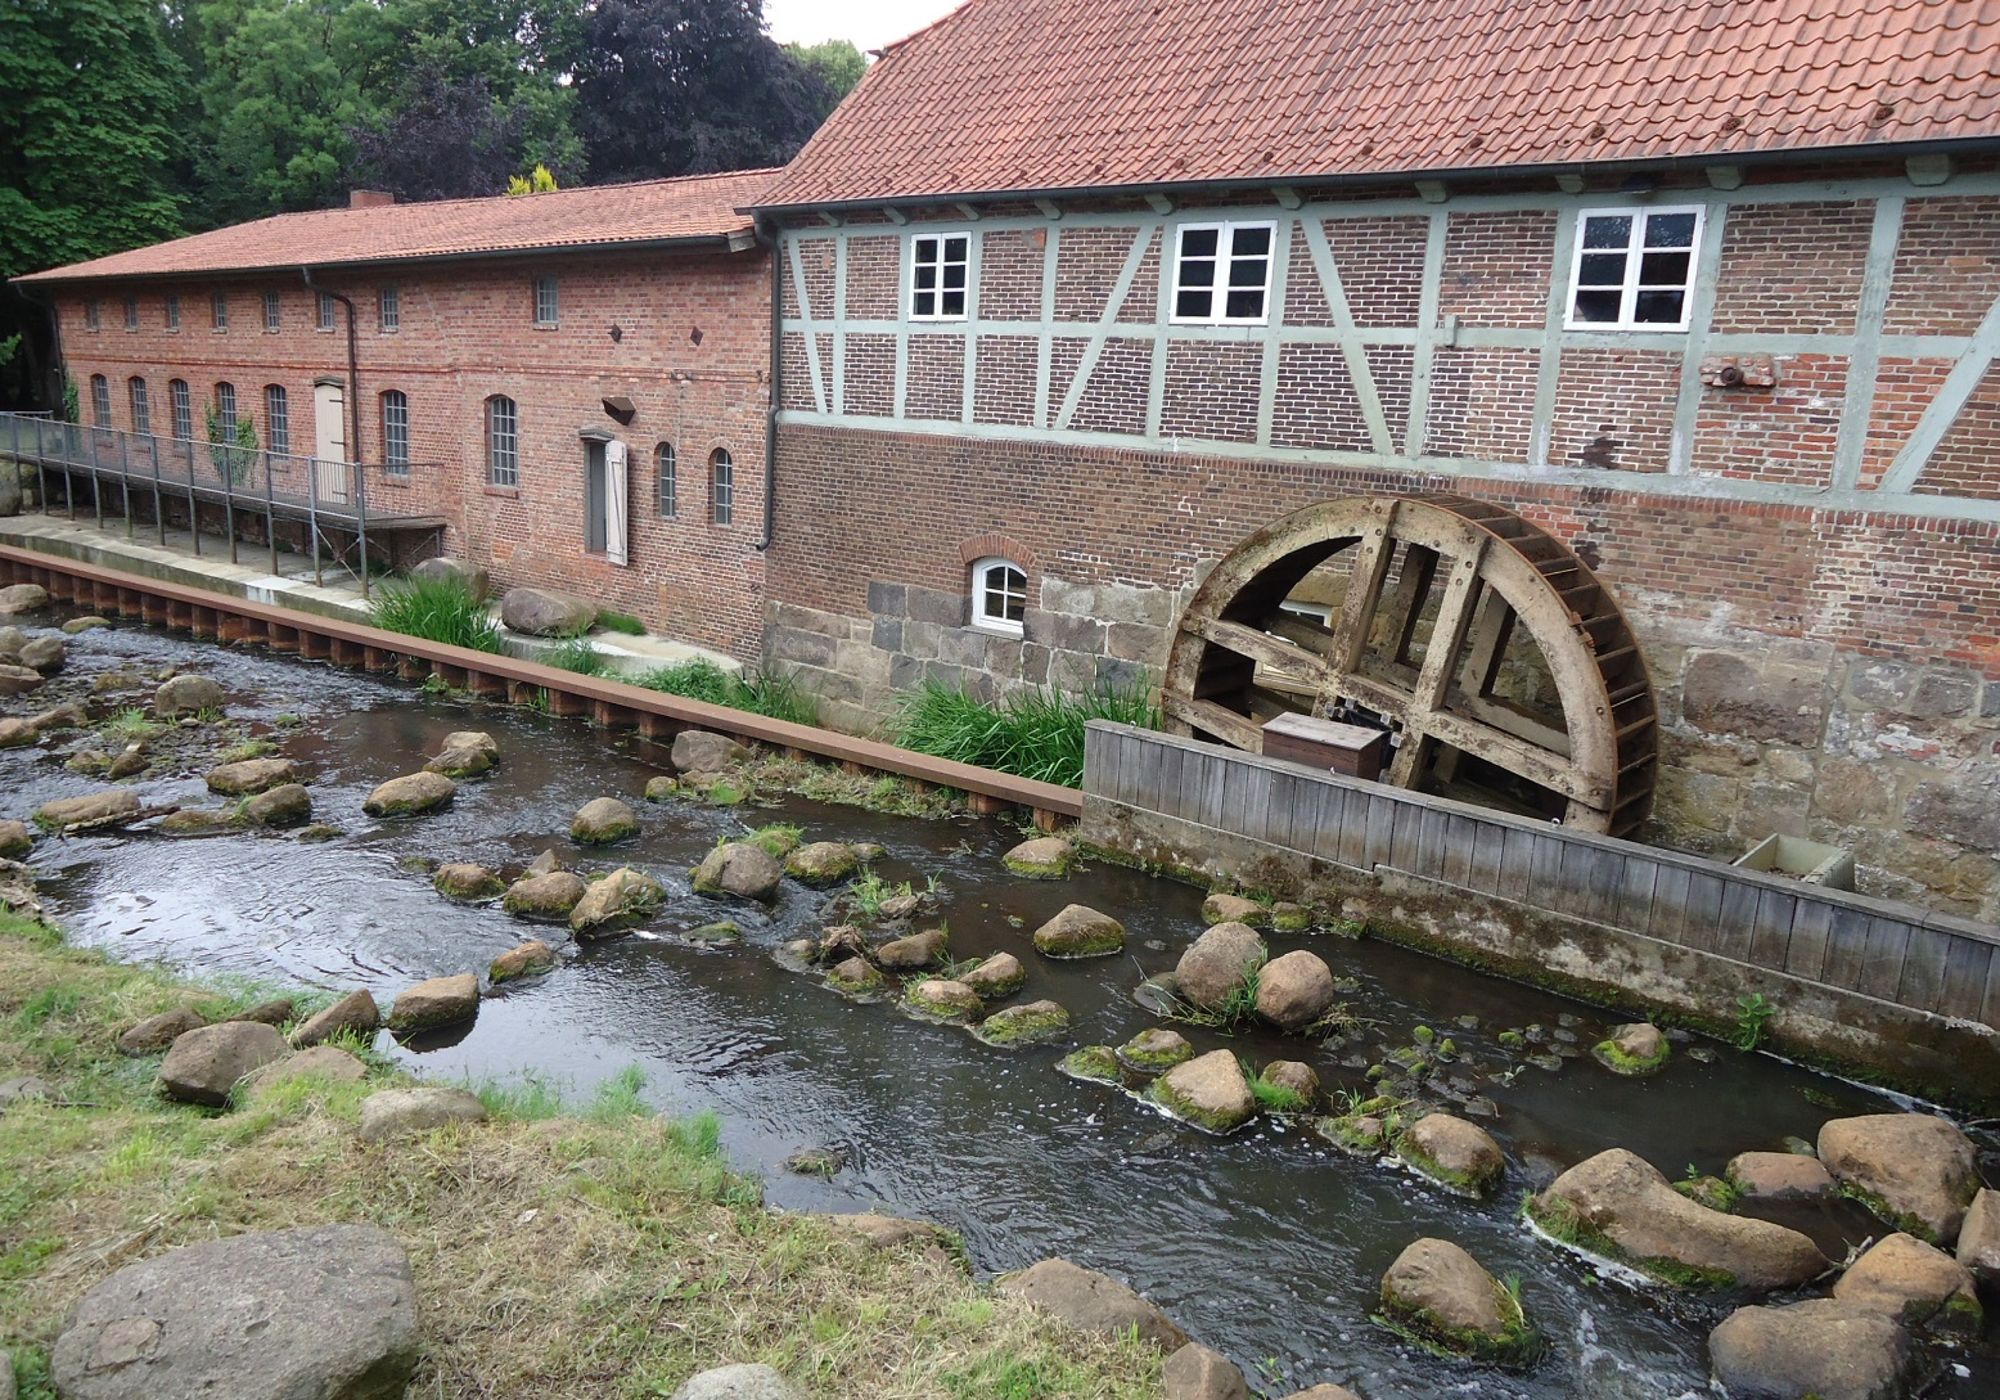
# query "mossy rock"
(1363, 1131)
(1034, 1023)
(940, 999)
(715, 934)
(551, 896)
(1097, 1063)
(726, 794)
(198, 821)
(1156, 1051)
(662, 787)
(1043, 858)
(1635, 1051)
(1710, 1191)
(1290, 918)
(409, 795)
(531, 959)
(1439, 1297)
(601, 821)
(856, 977)
(1224, 908)
(468, 884)
(777, 841)
(821, 863)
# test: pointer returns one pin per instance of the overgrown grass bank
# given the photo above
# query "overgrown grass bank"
(601, 1252)
(1031, 734)
(759, 692)
(436, 609)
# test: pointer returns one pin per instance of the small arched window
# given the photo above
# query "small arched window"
(668, 471)
(100, 400)
(183, 404)
(277, 419)
(142, 408)
(503, 442)
(999, 596)
(396, 432)
(721, 486)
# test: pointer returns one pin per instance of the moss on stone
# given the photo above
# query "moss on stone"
(1291, 918)
(1024, 1025)
(1094, 1062)
(1518, 1344)
(1362, 1134)
(1561, 1221)
(855, 985)
(1882, 1210)
(1154, 1060)
(1613, 1057)
(1714, 1192)
(1277, 1098)
(777, 840)
(1464, 1183)
(1162, 1093)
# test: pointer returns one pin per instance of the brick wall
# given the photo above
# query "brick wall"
(684, 337)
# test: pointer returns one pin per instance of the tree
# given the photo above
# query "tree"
(446, 140)
(677, 87)
(85, 134)
(837, 64)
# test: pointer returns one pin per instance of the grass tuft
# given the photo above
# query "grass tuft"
(621, 622)
(436, 609)
(1032, 734)
(758, 692)
(578, 655)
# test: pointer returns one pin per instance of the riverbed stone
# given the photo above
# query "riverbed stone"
(662, 787)
(410, 794)
(529, 959)
(1092, 1301)
(187, 695)
(15, 839)
(44, 654)
(1636, 1050)
(1031, 1023)
(616, 902)
(1098, 1063)
(109, 807)
(1454, 1153)
(466, 882)
(19, 680)
(156, 1033)
(1208, 1091)
(394, 1113)
(1295, 1077)
(1914, 1170)
(1295, 990)
(822, 863)
(1822, 1348)
(1619, 1205)
(551, 896)
(328, 1312)
(743, 1381)
(1778, 1176)
(919, 950)
(941, 999)
(741, 869)
(1043, 858)
(855, 976)
(354, 1014)
(328, 1062)
(288, 804)
(1156, 1050)
(1446, 1297)
(1080, 932)
(1979, 1237)
(23, 598)
(602, 820)
(1219, 965)
(701, 751)
(1196, 1373)
(543, 612)
(275, 1012)
(1918, 1284)
(873, 1232)
(1323, 1391)
(461, 762)
(469, 576)
(197, 821)
(998, 976)
(90, 622)
(547, 863)
(251, 775)
(204, 1064)
(1220, 908)
(438, 1001)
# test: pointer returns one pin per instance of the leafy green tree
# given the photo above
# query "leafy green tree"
(838, 65)
(85, 135)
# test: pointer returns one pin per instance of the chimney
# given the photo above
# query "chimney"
(369, 199)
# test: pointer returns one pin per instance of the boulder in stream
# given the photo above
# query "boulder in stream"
(203, 1065)
(1295, 990)
(616, 902)
(288, 804)
(187, 695)
(1032, 1023)
(856, 976)
(44, 654)
(1220, 908)
(22, 598)
(440, 1001)
(1979, 1237)
(1636, 1050)
(1453, 1153)
(354, 1014)
(1917, 1284)
(1197, 1373)
(19, 680)
(1618, 1205)
(1220, 966)
(918, 951)
(410, 794)
(551, 896)
(323, 1313)
(1446, 1299)
(461, 762)
(1294, 1078)
(251, 775)
(106, 807)
(467, 883)
(822, 863)
(530, 959)
(1914, 1170)
(1822, 1348)
(1092, 1301)
(1209, 1091)
(601, 821)
(699, 751)
(15, 839)
(741, 869)
(543, 612)
(1156, 1050)
(1080, 932)
(941, 999)
(90, 622)
(1778, 1176)
(1097, 1063)
(1043, 858)
(998, 976)
(662, 787)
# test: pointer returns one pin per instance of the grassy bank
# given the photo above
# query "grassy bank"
(595, 1252)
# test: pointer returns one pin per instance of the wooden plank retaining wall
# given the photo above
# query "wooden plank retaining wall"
(608, 702)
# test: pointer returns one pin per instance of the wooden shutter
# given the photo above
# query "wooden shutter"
(615, 513)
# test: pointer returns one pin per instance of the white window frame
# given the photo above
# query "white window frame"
(388, 309)
(141, 399)
(1635, 249)
(1000, 623)
(721, 488)
(503, 443)
(395, 433)
(100, 400)
(278, 419)
(1225, 255)
(273, 312)
(554, 300)
(936, 290)
(325, 318)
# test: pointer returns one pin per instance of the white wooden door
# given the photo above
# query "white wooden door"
(616, 548)
(330, 473)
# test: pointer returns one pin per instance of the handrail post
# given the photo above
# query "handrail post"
(159, 511)
(42, 465)
(96, 480)
(312, 516)
(361, 522)
(70, 454)
(194, 506)
(125, 479)
(229, 497)
(270, 513)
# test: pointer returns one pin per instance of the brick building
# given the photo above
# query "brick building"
(1077, 294)
(505, 353)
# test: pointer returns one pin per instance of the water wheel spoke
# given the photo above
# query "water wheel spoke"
(1225, 724)
(1276, 652)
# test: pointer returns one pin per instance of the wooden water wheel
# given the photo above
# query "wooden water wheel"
(1481, 640)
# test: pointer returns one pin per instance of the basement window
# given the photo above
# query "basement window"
(1222, 274)
(938, 266)
(999, 596)
(1634, 269)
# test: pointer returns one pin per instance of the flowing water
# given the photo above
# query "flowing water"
(1267, 1245)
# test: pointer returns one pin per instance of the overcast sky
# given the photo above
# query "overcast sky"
(869, 23)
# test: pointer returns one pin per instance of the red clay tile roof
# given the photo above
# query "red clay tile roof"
(1051, 95)
(693, 207)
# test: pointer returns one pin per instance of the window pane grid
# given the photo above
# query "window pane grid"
(142, 411)
(131, 313)
(219, 311)
(225, 409)
(93, 315)
(1634, 269)
(669, 475)
(396, 433)
(277, 418)
(1222, 273)
(503, 462)
(722, 487)
(547, 305)
(389, 309)
(173, 313)
(940, 269)
(100, 400)
(183, 404)
(271, 305)
(326, 311)
(999, 595)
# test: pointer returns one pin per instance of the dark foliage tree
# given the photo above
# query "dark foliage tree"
(448, 139)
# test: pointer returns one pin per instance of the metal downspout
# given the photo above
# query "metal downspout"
(353, 415)
(767, 237)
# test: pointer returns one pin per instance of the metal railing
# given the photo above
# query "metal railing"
(253, 481)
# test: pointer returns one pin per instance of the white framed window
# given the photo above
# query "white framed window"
(272, 307)
(939, 265)
(218, 310)
(503, 442)
(395, 432)
(1222, 273)
(277, 419)
(548, 303)
(1634, 268)
(326, 311)
(721, 487)
(183, 408)
(668, 470)
(100, 400)
(174, 312)
(999, 596)
(388, 308)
